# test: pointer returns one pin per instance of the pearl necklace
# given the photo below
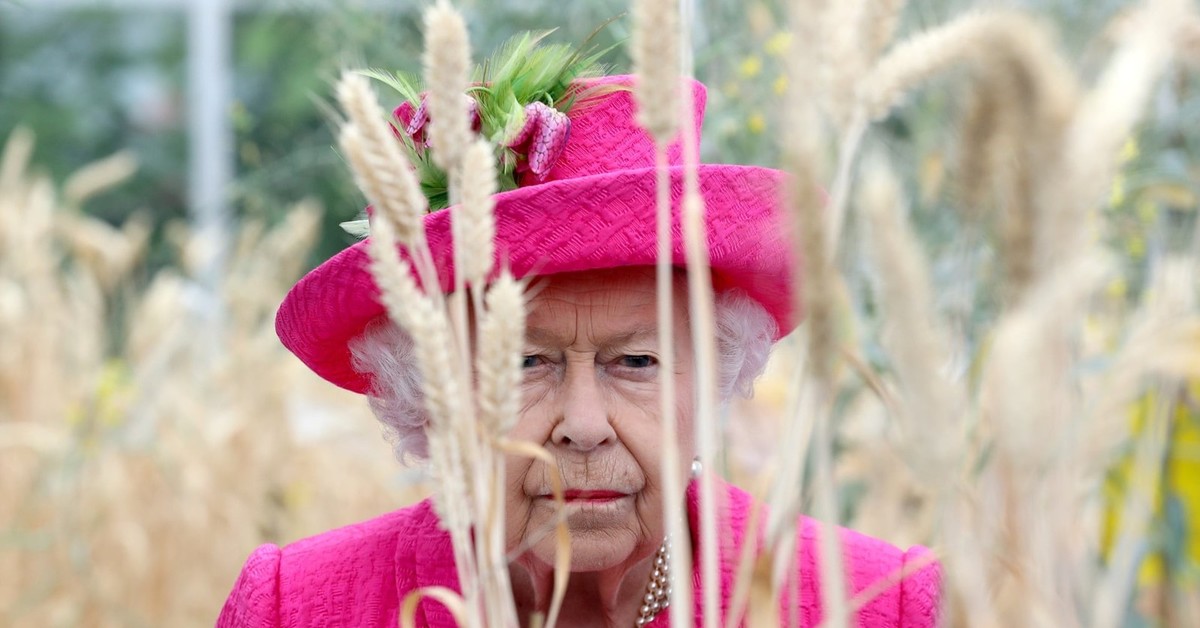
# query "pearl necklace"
(658, 591)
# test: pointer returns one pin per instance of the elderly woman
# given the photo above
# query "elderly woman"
(581, 225)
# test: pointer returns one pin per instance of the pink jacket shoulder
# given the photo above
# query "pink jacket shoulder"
(894, 588)
(254, 602)
(350, 576)
(897, 587)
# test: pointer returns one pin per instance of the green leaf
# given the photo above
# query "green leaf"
(405, 84)
(523, 70)
(357, 228)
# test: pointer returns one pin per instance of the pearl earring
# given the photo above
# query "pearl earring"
(697, 468)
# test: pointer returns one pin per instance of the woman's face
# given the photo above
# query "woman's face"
(592, 399)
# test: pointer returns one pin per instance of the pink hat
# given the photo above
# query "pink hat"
(594, 209)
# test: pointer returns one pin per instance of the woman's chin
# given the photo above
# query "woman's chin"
(592, 549)
(599, 553)
(604, 532)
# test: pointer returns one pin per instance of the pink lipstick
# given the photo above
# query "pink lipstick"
(581, 495)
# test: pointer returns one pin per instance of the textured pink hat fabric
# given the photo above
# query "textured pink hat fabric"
(595, 209)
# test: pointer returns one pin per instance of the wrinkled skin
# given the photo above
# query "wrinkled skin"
(591, 397)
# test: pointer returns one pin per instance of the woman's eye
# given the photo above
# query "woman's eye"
(638, 361)
(530, 361)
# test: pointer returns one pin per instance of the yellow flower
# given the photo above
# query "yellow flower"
(1117, 288)
(932, 176)
(780, 84)
(1129, 151)
(778, 43)
(75, 414)
(1146, 210)
(297, 495)
(1175, 490)
(1098, 331)
(1171, 195)
(1116, 196)
(1136, 246)
(112, 389)
(757, 123)
(750, 66)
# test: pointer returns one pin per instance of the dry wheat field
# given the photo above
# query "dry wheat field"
(1018, 391)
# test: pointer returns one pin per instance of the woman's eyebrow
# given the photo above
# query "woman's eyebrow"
(646, 332)
(547, 337)
(542, 336)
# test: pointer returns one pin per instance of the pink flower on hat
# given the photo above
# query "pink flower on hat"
(416, 119)
(542, 138)
(413, 119)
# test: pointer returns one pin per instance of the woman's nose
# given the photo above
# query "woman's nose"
(584, 424)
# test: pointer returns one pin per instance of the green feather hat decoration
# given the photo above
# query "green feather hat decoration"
(519, 102)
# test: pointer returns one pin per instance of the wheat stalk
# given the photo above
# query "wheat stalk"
(1105, 119)
(1160, 344)
(497, 361)
(466, 422)
(842, 54)
(916, 59)
(700, 308)
(447, 597)
(376, 158)
(447, 61)
(803, 159)
(447, 65)
(1032, 434)
(1025, 96)
(1164, 331)
(562, 560)
(654, 48)
(1189, 41)
(99, 176)
(430, 328)
(975, 37)
(476, 213)
(656, 53)
(881, 23)
(932, 405)
(912, 335)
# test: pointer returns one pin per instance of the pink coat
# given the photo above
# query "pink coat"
(357, 575)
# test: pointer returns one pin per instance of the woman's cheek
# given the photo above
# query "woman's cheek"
(641, 391)
(534, 420)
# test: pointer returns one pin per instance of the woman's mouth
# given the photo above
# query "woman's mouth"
(584, 496)
(592, 507)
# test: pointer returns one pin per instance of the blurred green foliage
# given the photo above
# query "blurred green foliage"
(91, 83)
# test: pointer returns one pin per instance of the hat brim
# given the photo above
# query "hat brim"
(588, 223)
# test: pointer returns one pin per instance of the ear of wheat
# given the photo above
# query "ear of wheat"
(655, 49)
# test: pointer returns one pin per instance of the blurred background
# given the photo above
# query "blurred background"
(169, 171)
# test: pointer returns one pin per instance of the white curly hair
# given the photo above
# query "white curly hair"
(385, 354)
